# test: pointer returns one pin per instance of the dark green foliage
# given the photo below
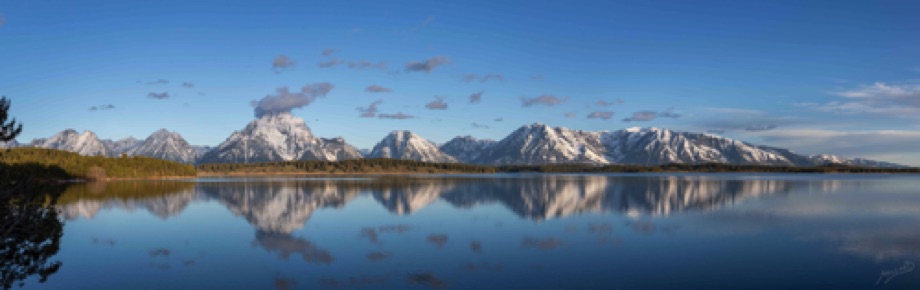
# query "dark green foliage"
(30, 229)
(36, 162)
(8, 130)
(346, 166)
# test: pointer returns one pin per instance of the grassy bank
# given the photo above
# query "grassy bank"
(61, 165)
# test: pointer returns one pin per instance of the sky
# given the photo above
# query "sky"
(838, 77)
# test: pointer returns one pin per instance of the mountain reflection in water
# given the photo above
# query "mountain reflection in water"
(430, 230)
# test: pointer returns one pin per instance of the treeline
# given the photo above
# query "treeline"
(707, 167)
(57, 164)
(345, 166)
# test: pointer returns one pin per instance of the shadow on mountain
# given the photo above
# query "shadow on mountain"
(29, 224)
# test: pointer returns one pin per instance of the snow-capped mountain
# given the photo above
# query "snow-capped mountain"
(86, 143)
(121, 146)
(166, 145)
(542, 144)
(278, 137)
(408, 145)
(467, 149)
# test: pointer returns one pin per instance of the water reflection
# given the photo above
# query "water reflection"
(550, 217)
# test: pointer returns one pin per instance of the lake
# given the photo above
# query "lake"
(504, 231)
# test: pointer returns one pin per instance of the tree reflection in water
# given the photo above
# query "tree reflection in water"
(30, 232)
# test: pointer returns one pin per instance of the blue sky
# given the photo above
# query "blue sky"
(838, 77)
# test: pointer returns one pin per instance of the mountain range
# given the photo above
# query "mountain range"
(283, 137)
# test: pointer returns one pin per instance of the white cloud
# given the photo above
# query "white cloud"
(898, 146)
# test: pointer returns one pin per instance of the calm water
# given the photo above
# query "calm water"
(494, 232)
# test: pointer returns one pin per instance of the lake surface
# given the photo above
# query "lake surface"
(687, 231)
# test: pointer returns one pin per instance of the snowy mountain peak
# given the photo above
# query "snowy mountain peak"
(278, 137)
(86, 143)
(467, 149)
(166, 145)
(407, 145)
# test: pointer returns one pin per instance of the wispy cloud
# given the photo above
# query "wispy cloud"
(898, 100)
(427, 65)
(603, 115)
(188, 85)
(2, 20)
(499, 119)
(358, 64)
(469, 78)
(378, 89)
(437, 104)
(159, 82)
(102, 107)
(283, 101)
(898, 146)
(476, 97)
(396, 116)
(605, 103)
(328, 51)
(644, 116)
(158, 96)
(282, 62)
(571, 115)
(547, 100)
(371, 110)
(722, 120)
(479, 126)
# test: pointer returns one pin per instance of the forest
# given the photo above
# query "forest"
(57, 165)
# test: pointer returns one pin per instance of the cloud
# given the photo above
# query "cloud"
(427, 65)
(479, 126)
(499, 119)
(360, 64)
(760, 127)
(437, 104)
(737, 119)
(397, 116)
(93, 108)
(282, 62)
(378, 89)
(899, 146)
(158, 96)
(158, 82)
(468, 78)
(715, 131)
(548, 100)
(476, 97)
(283, 101)
(604, 103)
(328, 51)
(2, 20)
(571, 115)
(102, 107)
(188, 85)
(604, 115)
(329, 63)
(899, 100)
(644, 116)
(537, 78)
(371, 110)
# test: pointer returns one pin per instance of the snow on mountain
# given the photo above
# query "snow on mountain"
(86, 143)
(121, 146)
(201, 150)
(466, 149)
(166, 145)
(409, 146)
(655, 146)
(542, 144)
(278, 137)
